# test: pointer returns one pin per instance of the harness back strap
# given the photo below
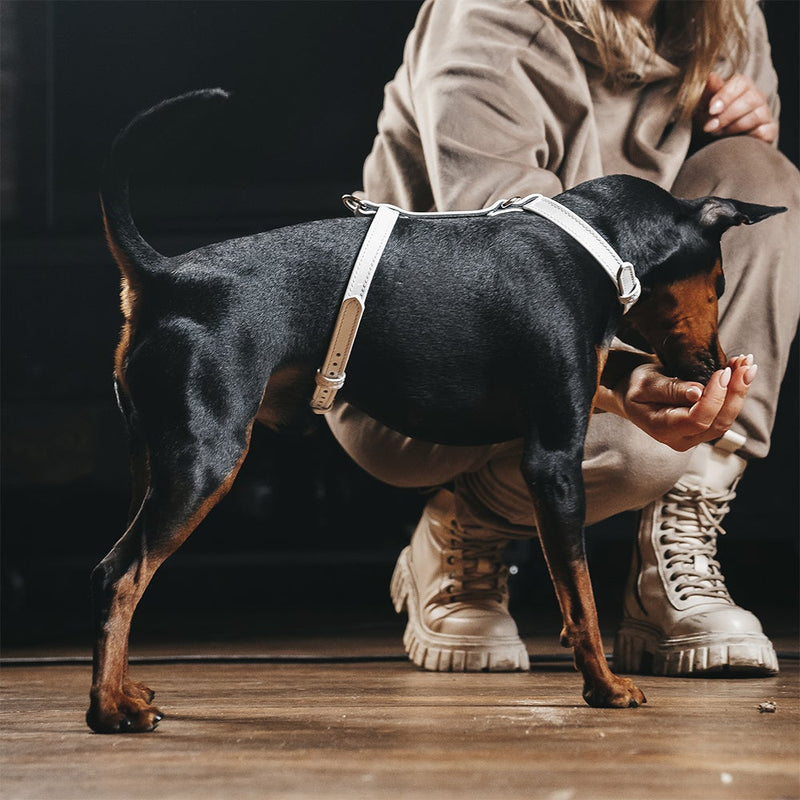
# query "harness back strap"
(622, 273)
(330, 378)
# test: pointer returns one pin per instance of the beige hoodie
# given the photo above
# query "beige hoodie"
(494, 100)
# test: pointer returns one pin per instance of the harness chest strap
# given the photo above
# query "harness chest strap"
(621, 272)
(330, 378)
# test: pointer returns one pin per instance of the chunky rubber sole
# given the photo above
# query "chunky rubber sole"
(642, 649)
(438, 652)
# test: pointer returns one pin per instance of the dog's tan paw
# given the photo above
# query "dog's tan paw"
(620, 693)
(128, 715)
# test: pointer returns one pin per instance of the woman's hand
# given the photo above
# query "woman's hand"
(682, 414)
(735, 107)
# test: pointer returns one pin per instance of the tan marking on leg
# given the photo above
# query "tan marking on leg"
(113, 694)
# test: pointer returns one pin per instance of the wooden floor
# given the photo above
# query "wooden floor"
(383, 729)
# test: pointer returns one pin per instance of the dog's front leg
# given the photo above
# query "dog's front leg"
(556, 483)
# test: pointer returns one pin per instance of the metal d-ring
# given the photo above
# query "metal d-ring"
(352, 203)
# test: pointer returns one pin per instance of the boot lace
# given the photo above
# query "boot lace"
(691, 522)
(476, 572)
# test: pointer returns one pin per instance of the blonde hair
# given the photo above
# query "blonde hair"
(692, 34)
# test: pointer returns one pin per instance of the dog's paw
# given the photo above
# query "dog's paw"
(128, 715)
(620, 693)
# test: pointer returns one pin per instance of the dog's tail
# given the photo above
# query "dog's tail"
(131, 252)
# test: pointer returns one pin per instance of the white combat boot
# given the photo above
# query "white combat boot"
(454, 586)
(678, 617)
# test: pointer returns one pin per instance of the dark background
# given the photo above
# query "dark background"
(302, 528)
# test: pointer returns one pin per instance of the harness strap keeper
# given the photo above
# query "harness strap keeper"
(331, 376)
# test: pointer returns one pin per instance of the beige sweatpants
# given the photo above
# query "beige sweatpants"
(624, 469)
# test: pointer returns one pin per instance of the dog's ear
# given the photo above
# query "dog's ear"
(717, 214)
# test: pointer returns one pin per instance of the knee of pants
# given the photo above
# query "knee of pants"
(397, 459)
(624, 469)
(741, 167)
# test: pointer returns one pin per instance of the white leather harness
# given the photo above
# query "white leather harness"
(331, 376)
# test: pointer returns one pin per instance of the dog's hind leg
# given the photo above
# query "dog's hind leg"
(139, 488)
(187, 466)
(178, 498)
(552, 468)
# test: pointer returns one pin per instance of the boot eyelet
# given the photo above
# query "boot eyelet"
(451, 560)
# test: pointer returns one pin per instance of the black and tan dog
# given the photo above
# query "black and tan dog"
(479, 329)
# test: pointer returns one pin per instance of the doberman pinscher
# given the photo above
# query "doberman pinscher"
(479, 329)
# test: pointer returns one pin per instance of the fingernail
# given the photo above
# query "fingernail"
(716, 107)
(750, 375)
(693, 394)
(711, 125)
(725, 378)
(749, 358)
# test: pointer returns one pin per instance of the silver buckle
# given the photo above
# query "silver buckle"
(628, 287)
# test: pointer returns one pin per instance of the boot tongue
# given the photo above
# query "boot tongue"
(476, 572)
(701, 565)
(484, 566)
(696, 513)
(481, 574)
(703, 569)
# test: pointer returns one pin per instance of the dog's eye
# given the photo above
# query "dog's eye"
(719, 286)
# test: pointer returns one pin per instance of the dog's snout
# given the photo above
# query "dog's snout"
(696, 366)
(691, 363)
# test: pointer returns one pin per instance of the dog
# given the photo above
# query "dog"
(479, 329)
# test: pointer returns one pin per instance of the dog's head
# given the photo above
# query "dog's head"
(677, 314)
